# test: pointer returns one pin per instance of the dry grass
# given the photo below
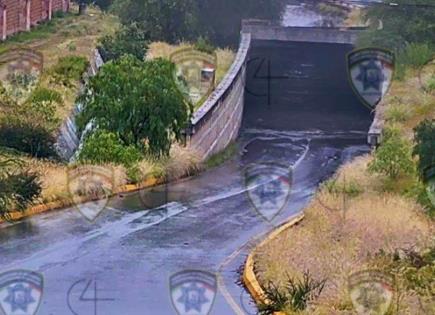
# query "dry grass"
(54, 179)
(182, 162)
(75, 35)
(225, 56)
(332, 246)
(355, 18)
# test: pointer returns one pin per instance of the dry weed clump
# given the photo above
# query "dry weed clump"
(336, 239)
(183, 161)
(54, 176)
(54, 179)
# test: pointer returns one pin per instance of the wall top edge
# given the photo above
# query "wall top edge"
(224, 85)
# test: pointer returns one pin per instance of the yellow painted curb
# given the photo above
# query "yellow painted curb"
(17, 215)
(249, 278)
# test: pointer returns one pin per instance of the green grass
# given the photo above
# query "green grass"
(41, 31)
(217, 159)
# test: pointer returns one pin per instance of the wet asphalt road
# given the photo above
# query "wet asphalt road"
(308, 119)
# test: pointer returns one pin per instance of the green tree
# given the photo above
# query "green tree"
(137, 100)
(393, 157)
(411, 21)
(168, 20)
(105, 147)
(174, 20)
(18, 187)
(128, 40)
(424, 138)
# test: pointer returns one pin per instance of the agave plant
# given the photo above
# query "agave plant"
(18, 186)
(294, 295)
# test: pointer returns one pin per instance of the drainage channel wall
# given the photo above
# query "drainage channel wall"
(217, 122)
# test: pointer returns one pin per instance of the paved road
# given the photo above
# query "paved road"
(311, 122)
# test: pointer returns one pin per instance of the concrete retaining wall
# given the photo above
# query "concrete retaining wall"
(266, 30)
(217, 122)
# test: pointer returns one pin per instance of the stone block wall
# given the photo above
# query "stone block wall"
(217, 122)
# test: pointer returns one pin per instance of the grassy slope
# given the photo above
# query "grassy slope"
(380, 215)
(64, 36)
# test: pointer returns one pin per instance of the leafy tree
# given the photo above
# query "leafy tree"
(409, 21)
(29, 127)
(424, 137)
(168, 20)
(69, 69)
(137, 100)
(174, 20)
(104, 147)
(18, 187)
(393, 157)
(128, 40)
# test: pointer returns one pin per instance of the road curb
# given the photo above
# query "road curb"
(249, 278)
(60, 204)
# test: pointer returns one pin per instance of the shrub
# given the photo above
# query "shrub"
(41, 106)
(414, 271)
(398, 112)
(105, 147)
(418, 192)
(431, 84)
(351, 188)
(416, 55)
(128, 40)
(20, 84)
(18, 188)
(393, 157)
(204, 45)
(69, 69)
(424, 138)
(296, 295)
(26, 136)
(41, 94)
